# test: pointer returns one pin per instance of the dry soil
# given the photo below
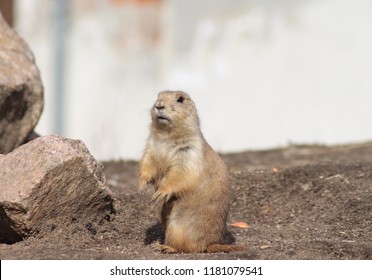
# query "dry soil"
(300, 202)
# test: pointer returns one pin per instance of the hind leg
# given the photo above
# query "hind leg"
(164, 248)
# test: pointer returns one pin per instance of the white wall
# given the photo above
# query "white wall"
(262, 73)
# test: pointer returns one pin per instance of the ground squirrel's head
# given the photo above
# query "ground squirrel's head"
(173, 110)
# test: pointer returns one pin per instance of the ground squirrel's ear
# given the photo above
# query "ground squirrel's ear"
(180, 99)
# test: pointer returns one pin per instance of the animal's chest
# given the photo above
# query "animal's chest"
(164, 157)
(177, 156)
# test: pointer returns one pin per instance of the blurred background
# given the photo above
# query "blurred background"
(263, 73)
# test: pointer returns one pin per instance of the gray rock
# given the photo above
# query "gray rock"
(50, 180)
(21, 90)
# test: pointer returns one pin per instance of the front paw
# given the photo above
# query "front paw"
(160, 197)
(144, 184)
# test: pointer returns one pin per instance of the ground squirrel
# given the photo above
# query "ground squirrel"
(191, 181)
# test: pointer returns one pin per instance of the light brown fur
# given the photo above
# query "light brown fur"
(191, 181)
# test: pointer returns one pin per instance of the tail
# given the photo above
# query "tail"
(223, 248)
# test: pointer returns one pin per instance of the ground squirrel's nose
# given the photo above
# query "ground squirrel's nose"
(159, 105)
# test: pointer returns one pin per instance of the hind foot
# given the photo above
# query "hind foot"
(164, 248)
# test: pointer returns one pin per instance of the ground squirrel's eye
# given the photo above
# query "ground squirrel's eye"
(180, 99)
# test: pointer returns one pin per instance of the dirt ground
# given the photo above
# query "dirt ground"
(300, 202)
